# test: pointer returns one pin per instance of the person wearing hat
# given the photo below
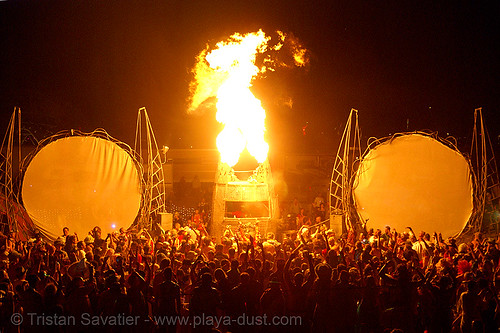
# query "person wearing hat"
(88, 240)
(80, 269)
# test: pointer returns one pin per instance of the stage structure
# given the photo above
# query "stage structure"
(154, 182)
(224, 75)
(251, 204)
(414, 179)
(348, 155)
(82, 180)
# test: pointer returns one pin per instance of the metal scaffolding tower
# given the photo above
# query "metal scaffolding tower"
(348, 154)
(487, 189)
(154, 188)
(9, 193)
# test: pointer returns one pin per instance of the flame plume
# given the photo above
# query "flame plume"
(227, 73)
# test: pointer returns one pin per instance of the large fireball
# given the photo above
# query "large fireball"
(227, 72)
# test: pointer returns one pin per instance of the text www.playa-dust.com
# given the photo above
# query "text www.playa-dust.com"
(219, 321)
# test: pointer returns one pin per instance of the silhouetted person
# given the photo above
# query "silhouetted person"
(168, 300)
(322, 318)
(272, 304)
(32, 303)
(204, 303)
(233, 275)
(297, 292)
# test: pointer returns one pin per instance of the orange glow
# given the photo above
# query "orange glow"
(227, 72)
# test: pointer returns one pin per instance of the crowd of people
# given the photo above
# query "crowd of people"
(183, 280)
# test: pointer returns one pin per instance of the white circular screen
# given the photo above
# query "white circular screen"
(81, 182)
(414, 181)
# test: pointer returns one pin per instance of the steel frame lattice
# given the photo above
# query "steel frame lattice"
(154, 187)
(487, 189)
(6, 168)
(348, 154)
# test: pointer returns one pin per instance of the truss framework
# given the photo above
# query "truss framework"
(154, 187)
(482, 164)
(145, 149)
(487, 192)
(6, 166)
(348, 154)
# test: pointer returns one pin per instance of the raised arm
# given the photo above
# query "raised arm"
(326, 241)
(312, 272)
(261, 245)
(252, 247)
(286, 270)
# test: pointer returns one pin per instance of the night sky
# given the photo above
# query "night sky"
(403, 64)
